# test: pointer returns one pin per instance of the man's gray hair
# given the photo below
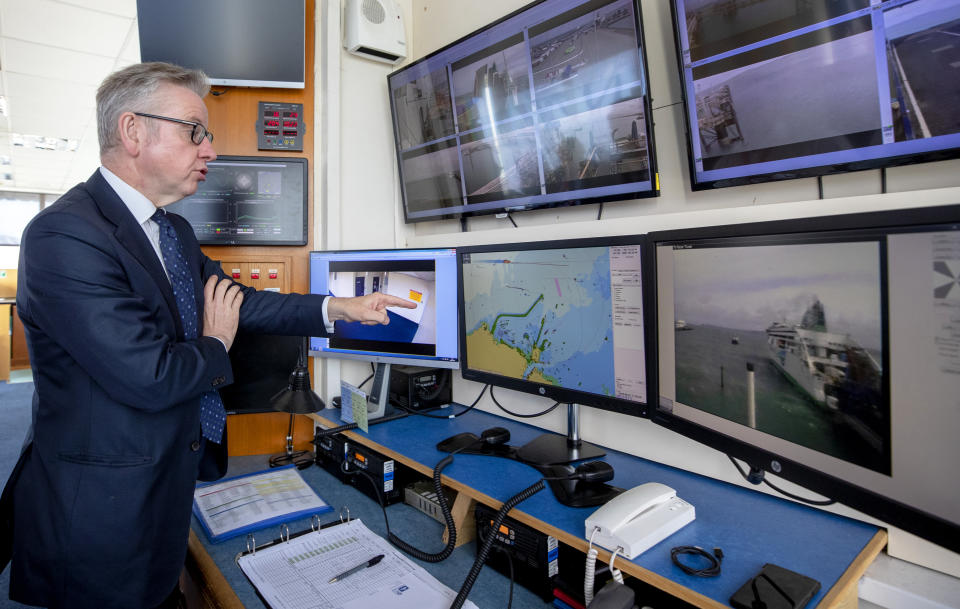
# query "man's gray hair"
(131, 90)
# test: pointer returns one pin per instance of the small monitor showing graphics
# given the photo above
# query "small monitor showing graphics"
(824, 351)
(425, 335)
(560, 319)
(249, 201)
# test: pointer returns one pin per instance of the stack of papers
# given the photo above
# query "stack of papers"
(296, 574)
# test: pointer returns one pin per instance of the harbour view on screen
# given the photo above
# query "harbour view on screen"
(569, 317)
(427, 278)
(547, 107)
(807, 317)
(781, 89)
(835, 351)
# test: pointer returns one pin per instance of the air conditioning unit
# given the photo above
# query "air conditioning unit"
(374, 29)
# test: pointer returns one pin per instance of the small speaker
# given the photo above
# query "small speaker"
(374, 29)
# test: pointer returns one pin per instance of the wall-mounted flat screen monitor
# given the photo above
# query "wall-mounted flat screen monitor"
(423, 336)
(243, 43)
(548, 106)
(562, 319)
(249, 201)
(823, 350)
(777, 90)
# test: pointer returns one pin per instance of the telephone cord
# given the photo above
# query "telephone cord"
(590, 571)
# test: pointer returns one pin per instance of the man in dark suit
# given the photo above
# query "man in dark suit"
(128, 325)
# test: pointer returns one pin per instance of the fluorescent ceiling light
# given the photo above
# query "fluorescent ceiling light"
(43, 142)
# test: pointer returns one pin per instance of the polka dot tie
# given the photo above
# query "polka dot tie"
(212, 415)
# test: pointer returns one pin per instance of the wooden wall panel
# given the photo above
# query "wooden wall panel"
(233, 117)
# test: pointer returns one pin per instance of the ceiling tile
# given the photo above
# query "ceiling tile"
(39, 89)
(64, 26)
(49, 119)
(124, 8)
(131, 48)
(50, 62)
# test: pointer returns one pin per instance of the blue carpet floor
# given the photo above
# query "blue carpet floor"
(15, 401)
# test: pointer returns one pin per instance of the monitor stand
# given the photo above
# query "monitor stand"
(554, 449)
(377, 399)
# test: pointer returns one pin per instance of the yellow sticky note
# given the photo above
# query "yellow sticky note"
(415, 296)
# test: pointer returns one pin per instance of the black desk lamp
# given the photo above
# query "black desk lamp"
(296, 398)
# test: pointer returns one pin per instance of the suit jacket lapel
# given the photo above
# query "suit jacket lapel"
(131, 236)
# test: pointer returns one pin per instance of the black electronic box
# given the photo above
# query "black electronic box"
(419, 388)
(333, 451)
(535, 554)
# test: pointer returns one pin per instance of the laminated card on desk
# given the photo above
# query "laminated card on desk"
(241, 504)
(353, 405)
(296, 574)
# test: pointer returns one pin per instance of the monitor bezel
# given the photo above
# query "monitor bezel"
(385, 357)
(563, 394)
(814, 171)
(216, 79)
(305, 203)
(654, 190)
(888, 509)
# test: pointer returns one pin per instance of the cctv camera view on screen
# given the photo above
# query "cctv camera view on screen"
(249, 202)
(426, 279)
(838, 353)
(776, 87)
(544, 108)
(569, 317)
(807, 319)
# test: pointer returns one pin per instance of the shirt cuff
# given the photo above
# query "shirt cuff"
(222, 343)
(326, 317)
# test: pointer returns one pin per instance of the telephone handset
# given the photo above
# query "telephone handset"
(639, 518)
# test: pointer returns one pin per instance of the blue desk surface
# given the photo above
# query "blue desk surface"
(751, 527)
(411, 525)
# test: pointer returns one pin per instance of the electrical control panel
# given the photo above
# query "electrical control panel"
(280, 126)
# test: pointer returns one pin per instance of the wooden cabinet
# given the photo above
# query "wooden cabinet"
(5, 319)
(19, 356)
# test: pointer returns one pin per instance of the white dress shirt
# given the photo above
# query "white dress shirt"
(143, 209)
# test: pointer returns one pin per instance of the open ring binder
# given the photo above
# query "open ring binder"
(285, 535)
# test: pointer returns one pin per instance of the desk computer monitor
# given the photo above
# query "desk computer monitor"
(425, 336)
(562, 319)
(823, 350)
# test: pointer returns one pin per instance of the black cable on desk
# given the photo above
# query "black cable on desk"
(756, 477)
(715, 559)
(373, 373)
(444, 509)
(517, 414)
(484, 550)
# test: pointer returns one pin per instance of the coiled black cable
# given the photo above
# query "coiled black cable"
(447, 517)
(444, 509)
(484, 551)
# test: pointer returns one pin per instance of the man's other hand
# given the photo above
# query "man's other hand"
(369, 309)
(221, 309)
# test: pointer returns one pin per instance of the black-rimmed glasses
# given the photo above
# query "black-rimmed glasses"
(196, 134)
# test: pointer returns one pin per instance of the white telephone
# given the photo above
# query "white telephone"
(639, 518)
